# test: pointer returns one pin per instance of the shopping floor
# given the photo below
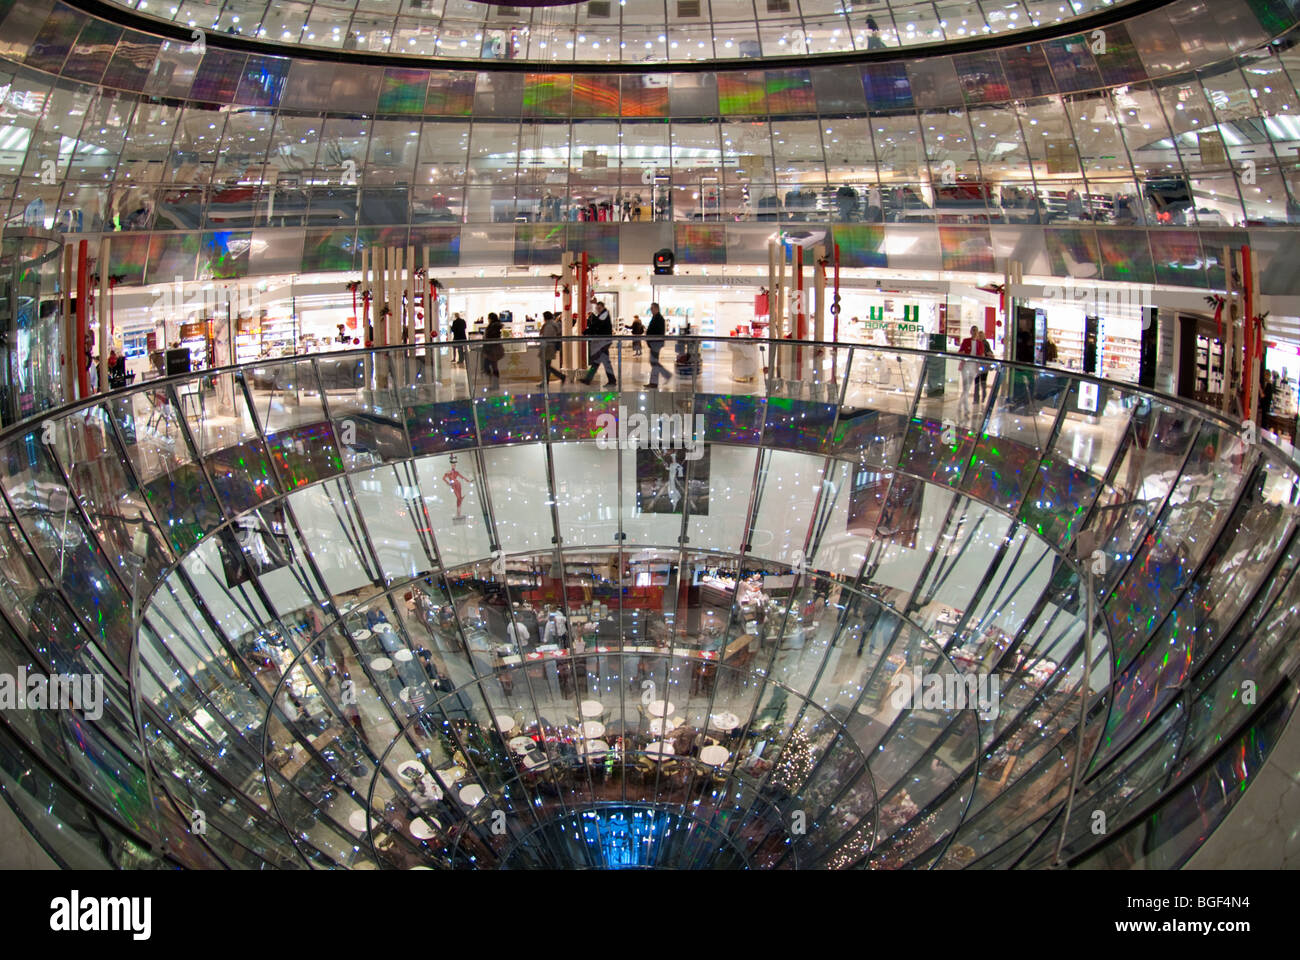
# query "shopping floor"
(292, 582)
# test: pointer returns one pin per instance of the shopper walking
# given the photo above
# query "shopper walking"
(977, 345)
(550, 333)
(458, 338)
(492, 352)
(599, 325)
(654, 343)
(638, 330)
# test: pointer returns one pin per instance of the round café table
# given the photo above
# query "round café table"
(451, 775)
(505, 724)
(357, 821)
(661, 725)
(715, 755)
(522, 745)
(380, 664)
(592, 748)
(471, 794)
(403, 655)
(724, 720)
(662, 750)
(661, 708)
(593, 729)
(592, 709)
(423, 829)
(362, 634)
(411, 770)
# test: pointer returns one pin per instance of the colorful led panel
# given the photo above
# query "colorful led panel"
(224, 254)
(742, 94)
(598, 240)
(171, 255)
(441, 245)
(981, 77)
(403, 91)
(861, 244)
(1177, 257)
(1072, 63)
(732, 418)
(644, 95)
(547, 94)
(790, 91)
(1000, 470)
(450, 94)
(218, 76)
(1120, 63)
(183, 497)
(126, 256)
(1125, 256)
(886, 86)
(966, 248)
(797, 424)
(595, 96)
(936, 451)
(305, 454)
(702, 243)
(511, 418)
(539, 243)
(242, 475)
(576, 416)
(326, 250)
(435, 427)
(1059, 499)
(262, 84)
(1073, 252)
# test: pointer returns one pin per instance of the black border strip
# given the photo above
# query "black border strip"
(169, 29)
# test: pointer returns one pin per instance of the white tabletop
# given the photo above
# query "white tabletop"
(381, 663)
(715, 755)
(422, 829)
(536, 760)
(593, 748)
(403, 655)
(725, 721)
(661, 708)
(471, 794)
(592, 729)
(426, 789)
(660, 751)
(357, 820)
(592, 708)
(411, 769)
(661, 725)
(505, 724)
(451, 775)
(522, 745)
(362, 634)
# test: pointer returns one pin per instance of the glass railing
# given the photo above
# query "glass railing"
(412, 606)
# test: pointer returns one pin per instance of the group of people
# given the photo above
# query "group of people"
(599, 325)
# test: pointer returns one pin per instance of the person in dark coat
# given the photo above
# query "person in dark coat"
(599, 325)
(654, 333)
(458, 337)
(493, 352)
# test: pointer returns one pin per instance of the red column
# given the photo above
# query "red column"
(83, 296)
